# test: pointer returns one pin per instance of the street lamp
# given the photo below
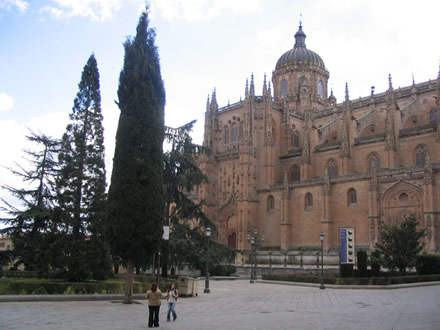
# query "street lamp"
(321, 237)
(255, 243)
(208, 236)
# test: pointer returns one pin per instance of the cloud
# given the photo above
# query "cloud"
(6, 102)
(97, 10)
(21, 5)
(199, 10)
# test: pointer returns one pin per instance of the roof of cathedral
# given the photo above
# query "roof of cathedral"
(300, 54)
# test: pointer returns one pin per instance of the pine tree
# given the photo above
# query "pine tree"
(29, 225)
(81, 182)
(135, 208)
(184, 214)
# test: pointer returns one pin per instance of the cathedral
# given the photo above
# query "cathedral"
(293, 162)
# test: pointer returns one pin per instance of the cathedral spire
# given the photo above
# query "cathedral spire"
(207, 104)
(246, 91)
(346, 93)
(214, 104)
(252, 89)
(264, 85)
(390, 92)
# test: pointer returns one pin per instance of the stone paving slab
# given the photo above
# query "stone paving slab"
(239, 305)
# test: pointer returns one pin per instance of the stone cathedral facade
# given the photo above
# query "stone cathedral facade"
(293, 162)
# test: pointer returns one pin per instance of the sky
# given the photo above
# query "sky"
(202, 44)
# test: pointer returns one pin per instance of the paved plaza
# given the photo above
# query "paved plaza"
(239, 305)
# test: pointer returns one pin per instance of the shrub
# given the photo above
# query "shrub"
(427, 264)
(310, 278)
(375, 263)
(33, 286)
(362, 259)
(220, 270)
(346, 270)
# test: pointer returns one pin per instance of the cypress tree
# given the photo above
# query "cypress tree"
(135, 208)
(81, 182)
(29, 225)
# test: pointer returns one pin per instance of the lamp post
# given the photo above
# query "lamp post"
(255, 243)
(208, 236)
(321, 237)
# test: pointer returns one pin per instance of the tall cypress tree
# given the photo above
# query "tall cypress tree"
(81, 182)
(135, 207)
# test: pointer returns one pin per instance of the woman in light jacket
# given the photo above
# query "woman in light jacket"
(153, 295)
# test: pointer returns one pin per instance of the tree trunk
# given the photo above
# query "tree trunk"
(128, 297)
(165, 259)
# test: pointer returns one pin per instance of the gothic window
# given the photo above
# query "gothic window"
(283, 88)
(295, 140)
(420, 156)
(295, 173)
(373, 160)
(270, 203)
(332, 168)
(351, 197)
(308, 202)
(433, 115)
(240, 131)
(226, 135)
(234, 134)
(320, 89)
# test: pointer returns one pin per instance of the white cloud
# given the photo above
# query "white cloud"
(97, 10)
(199, 10)
(21, 5)
(6, 102)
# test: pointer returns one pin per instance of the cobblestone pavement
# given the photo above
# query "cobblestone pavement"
(239, 305)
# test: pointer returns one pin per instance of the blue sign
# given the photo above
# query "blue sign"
(343, 245)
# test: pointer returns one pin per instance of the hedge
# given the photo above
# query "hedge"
(427, 264)
(35, 286)
(303, 278)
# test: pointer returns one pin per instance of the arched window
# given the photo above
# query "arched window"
(283, 88)
(308, 202)
(351, 197)
(234, 135)
(226, 135)
(295, 173)
(373, 161)
(320, 89)
(270, 203)
(420, 156)
(332, 168)
(295, 140)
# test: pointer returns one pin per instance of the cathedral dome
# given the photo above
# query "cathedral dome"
(300, 55)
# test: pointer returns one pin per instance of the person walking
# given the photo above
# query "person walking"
(153, 295)
(172, 295)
